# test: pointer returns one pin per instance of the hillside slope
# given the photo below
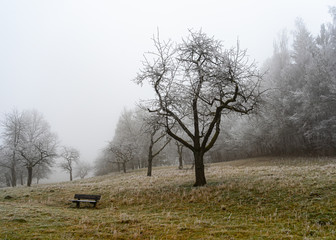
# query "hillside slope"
(265, 198)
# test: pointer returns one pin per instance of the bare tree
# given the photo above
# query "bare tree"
(41, 171)
(157, 137)
(195, 82)
(13, 126)
(39, 144)
(70, 156)
(82, 169)
(122, 153)
(4, 178)
(103, 164)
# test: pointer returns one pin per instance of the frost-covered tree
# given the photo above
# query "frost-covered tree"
(138, 139)
(82, 169)
(12, 135)
(41, 171)
(122, 154)
(196, 82)
(38, 145)
(298, 116)
(157, 136)
(70, 157)
(27, 142)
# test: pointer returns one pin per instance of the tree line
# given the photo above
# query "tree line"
(139, 142)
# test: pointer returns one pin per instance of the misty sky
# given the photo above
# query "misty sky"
(74, 60)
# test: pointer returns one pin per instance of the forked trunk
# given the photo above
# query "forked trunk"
(30, 176)
(199, 169)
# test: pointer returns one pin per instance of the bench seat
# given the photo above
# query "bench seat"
(86, 198)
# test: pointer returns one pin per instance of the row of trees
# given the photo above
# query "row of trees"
(29, 149)
(139, 142)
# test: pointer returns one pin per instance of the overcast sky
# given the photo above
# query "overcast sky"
(73, 60)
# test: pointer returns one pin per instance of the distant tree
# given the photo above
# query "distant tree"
(104, 164)
(129, 137)
(195, 82)
(5, 176)
(70, 157)
(82, 169)
(39, 144)
(319, 93)
(157, 137)
(298, 115)
(41, 171)
(122, 154)
(13, 127)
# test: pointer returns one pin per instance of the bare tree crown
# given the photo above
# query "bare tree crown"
(197, 81)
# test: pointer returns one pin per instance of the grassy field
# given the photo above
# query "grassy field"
(265, 198)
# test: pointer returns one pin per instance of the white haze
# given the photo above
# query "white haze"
(74, 60)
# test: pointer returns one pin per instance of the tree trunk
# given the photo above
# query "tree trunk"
(30, 176)
(180, 153)
(70, 175)
(13, 170)
(180, 162)
(139, 163)
(150, 160)
(21, 178)
(124, 166)
(13, 175)
(199, 169)
(8, 180)
(150, 164)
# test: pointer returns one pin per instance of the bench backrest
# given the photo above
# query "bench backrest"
(87, 196)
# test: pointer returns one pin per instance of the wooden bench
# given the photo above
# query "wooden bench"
(86, 198)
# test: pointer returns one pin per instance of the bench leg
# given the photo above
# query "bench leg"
(77, 204)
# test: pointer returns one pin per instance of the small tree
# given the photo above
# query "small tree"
(195, 82)
(70, 156)
(41, 171)
(82, 169)
(122, 154)
(156, 136)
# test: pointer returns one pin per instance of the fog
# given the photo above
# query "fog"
(74, 61)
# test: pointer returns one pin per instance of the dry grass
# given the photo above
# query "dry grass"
(248, 199)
